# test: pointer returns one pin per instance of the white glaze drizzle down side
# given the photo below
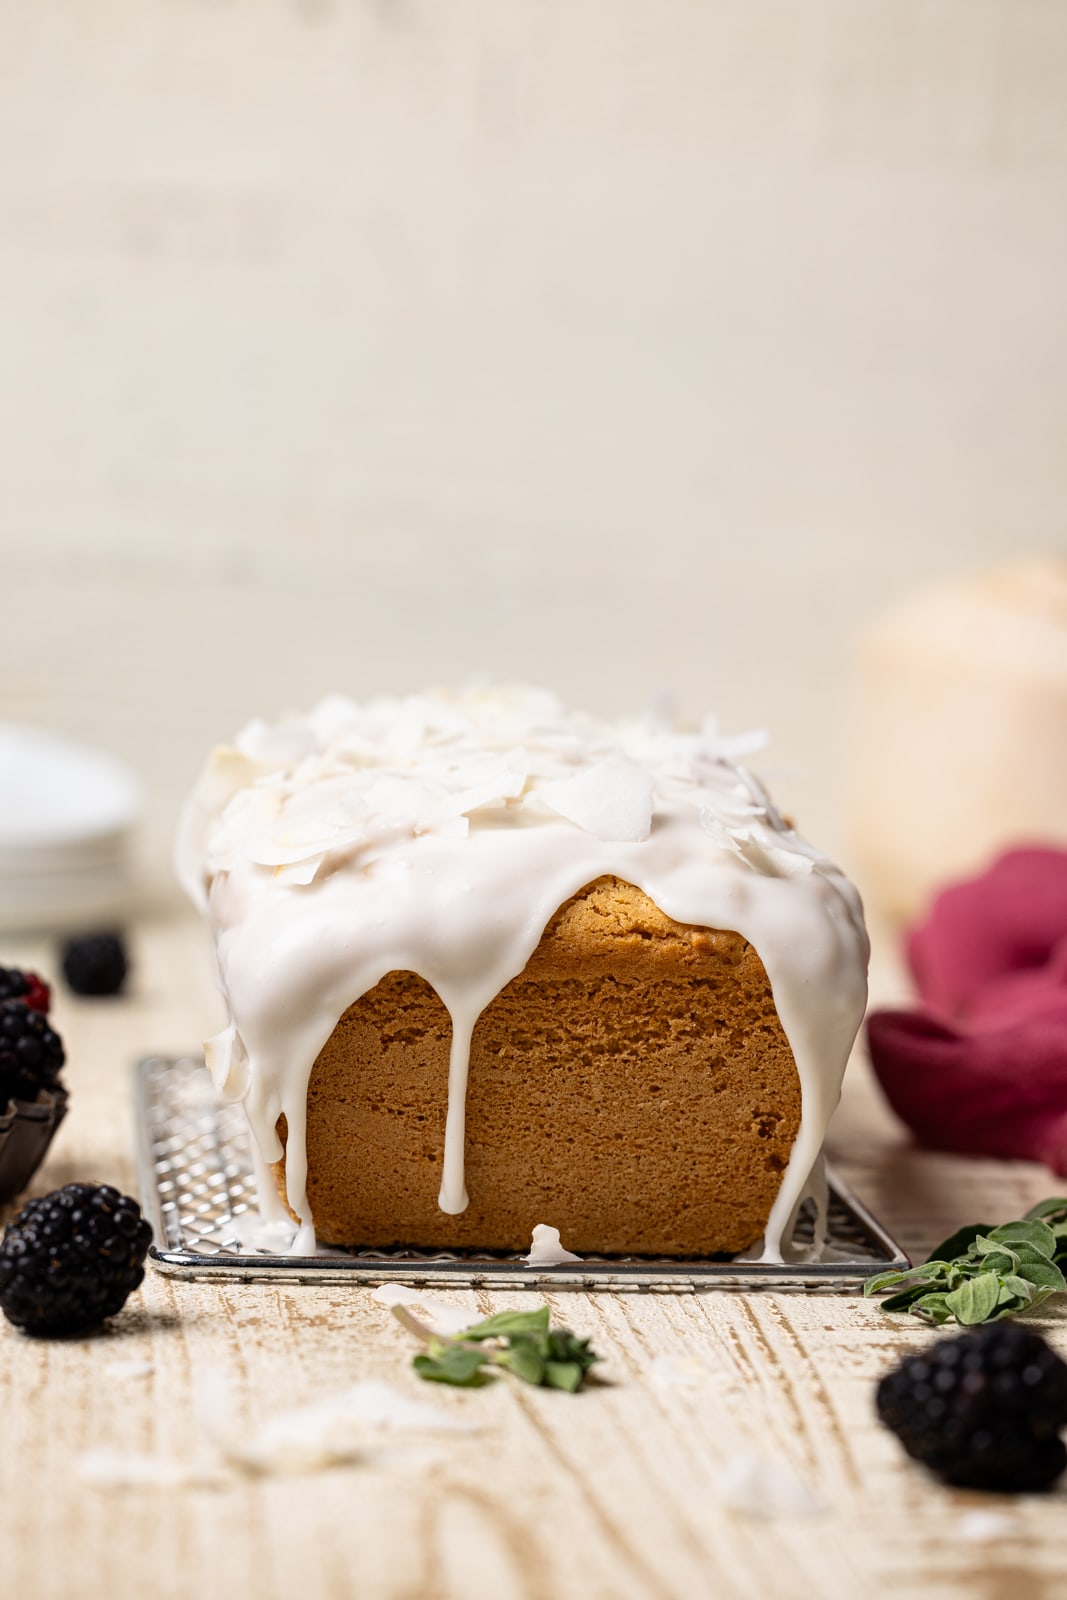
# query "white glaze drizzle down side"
(439, 834)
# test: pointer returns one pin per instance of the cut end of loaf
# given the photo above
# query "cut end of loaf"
(632, 1087)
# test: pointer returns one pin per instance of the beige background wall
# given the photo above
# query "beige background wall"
(622, 345)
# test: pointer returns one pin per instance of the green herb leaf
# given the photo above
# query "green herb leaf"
(1053, 1212)
(999, 1261)
(919, 1277)
(882, 1281)
(906, 1299)
(975, 1300)
(1038, 1298)
(933, 1307)
(958, 1243)
(457, 1364)
(524, 1360)
(1025, 1252)
(1037, 1235)
(566, 1375)
(565, 1346)
(506, 1324)
(980, 1274)
(520, 1342)
(994, 1254)
(1015, 1289)
(1044, 1274)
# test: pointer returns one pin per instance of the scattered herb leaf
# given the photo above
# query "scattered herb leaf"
(524, 1360)
(1053, 1211)
(452, 1363)
(1036, 1235)
(980, 1274)
(505, 1324)
(958, 1243)
(519, 1342)
(975, 1300)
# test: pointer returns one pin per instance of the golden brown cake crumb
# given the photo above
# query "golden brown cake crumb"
(632, 1087)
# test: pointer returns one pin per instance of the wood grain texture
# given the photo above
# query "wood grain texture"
(614, 1495)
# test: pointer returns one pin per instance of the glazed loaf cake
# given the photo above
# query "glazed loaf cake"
(491, 964)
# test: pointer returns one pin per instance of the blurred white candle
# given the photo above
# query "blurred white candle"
(959, 736)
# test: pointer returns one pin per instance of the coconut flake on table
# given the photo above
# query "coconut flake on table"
(107, 1468)
(757, 1486)
(988, 1527)
(682, 1372)
(337, 1429)
(122, 1370)
(442, 1316)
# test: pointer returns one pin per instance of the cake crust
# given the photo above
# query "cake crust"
(633, 1087)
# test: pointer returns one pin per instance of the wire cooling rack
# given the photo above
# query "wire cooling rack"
(199, 1192)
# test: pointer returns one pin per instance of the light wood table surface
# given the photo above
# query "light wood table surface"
(615, 1494)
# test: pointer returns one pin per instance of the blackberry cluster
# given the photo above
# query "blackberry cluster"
(95, 964)
(24, 986)
(71, 1259)
(982, 1410)
(31, 1052)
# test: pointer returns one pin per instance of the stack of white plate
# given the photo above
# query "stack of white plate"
(67, 816)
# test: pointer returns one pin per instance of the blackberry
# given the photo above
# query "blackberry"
(31, 1052)
(25, 986)
(983, 1410)
(71, 1259)
(95, 964)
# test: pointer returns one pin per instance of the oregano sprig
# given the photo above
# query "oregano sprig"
(519, 1342)
(981, 1274)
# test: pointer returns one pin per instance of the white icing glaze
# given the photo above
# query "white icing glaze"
(438, 835)
(546, 1248)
